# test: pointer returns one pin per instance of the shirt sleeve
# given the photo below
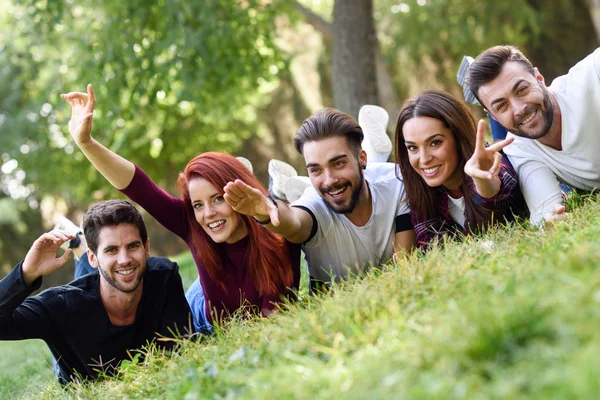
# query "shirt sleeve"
(168, 210)
(540, 188)
(21, 317)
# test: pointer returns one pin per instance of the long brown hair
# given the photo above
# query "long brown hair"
(422, 198)
(267, 254)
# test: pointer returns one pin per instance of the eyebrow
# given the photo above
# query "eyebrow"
(333, 159)
(515, 86)
(427, 140)
(212, 197)
(112, 246)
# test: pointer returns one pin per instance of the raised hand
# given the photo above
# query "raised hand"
(41, 258)
(82, 110)
(485, 161)
(250, 201)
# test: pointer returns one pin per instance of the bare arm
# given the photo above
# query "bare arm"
(292, 223)
(117, 170)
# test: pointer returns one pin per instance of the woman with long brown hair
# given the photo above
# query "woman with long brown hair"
(240, 263)
(454, 183)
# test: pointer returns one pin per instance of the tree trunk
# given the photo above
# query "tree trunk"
(354, 55)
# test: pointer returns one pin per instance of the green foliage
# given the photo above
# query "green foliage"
(510, 315)
(173, 78)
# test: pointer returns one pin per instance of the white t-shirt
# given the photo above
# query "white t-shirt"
(456, 209)
(338, 246)
(541, 168)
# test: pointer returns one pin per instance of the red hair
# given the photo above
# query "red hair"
(267, 254)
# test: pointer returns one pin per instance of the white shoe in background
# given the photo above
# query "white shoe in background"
(374, 121)
(246, 163)
(279, 173)
(295, 187)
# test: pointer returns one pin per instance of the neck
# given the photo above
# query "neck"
(554, 136)
(452, 184)
(121, 307)
(364, 207)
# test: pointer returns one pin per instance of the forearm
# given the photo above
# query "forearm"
(117, 170)
(13, 292)
(291, 223)
(487, 188)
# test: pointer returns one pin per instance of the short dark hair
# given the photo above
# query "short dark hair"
(488, 65)
(326, 123)
(111, 213)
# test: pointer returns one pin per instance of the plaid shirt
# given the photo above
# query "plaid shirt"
(507, 202)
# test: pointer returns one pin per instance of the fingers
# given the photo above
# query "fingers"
(496, 166)
(558, 209)
(480, 138)
(478, 173)
(501, 144)
(91, 99)
(65, 257)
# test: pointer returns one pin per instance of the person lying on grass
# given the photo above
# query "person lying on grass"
(94, 322)
(241, 265)
(351, 218)
(454, 183)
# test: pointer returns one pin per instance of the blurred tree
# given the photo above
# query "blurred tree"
(354, 55)
(173, 78)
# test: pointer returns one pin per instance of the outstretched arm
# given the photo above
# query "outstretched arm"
(117, 170)
(292, 223)
(41, 258)
(484, 165)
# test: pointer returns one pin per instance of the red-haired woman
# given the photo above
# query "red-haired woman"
(240, 263)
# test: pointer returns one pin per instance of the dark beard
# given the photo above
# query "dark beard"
(114, 283)
(353, 200)
(547, 119)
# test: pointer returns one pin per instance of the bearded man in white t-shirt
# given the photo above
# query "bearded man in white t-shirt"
(556, 128)
(352, 218)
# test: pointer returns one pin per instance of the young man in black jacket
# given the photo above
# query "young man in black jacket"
(92, 323)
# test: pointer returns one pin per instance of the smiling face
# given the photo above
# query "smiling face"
(213, 214)
(120, 257)
(432, 152)
(519, 100)
(335, 172)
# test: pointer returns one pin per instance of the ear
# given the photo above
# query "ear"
(147, 247)
(362, 159)
(538, 76)
(92, 258)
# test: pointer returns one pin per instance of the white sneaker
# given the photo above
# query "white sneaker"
(374, 121)
(279, 173)
(65, 224)
(295, 187)
(246, 163)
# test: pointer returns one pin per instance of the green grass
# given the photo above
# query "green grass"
(512, 315)
(25, 368)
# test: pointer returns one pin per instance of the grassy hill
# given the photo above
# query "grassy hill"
(514, 314)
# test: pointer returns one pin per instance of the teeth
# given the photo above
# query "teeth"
(214, 225)
(529, 118)
(335, 193)
(125, 272)
(431, 170)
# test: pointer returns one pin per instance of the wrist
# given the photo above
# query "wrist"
(28, 276)
(262, 219)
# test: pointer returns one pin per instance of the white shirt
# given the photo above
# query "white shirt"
(456, 209)
(339, 247)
